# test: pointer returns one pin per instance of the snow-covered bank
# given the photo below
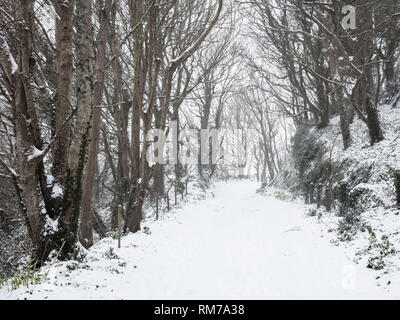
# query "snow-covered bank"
(237, 245)
(351, 191)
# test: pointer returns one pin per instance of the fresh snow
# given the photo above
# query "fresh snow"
(6, 50)
(51, 226)
(49, 180)
(34, 153)
(57, 191)
(236, 245)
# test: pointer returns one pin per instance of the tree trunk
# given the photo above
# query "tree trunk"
(64, 36)
(344, 119)
(79, 145)
(374, 126)
(86, 227)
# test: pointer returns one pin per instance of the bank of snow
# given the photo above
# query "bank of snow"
(236, 245)
(369, 225)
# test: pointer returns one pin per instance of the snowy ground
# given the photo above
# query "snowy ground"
(237, 245)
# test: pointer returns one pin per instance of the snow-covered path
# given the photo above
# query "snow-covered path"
(237, 245)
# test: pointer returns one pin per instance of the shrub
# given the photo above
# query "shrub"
(79, 254)
(349, 225)
(381, 250)
(110, 254)
(146, 230)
